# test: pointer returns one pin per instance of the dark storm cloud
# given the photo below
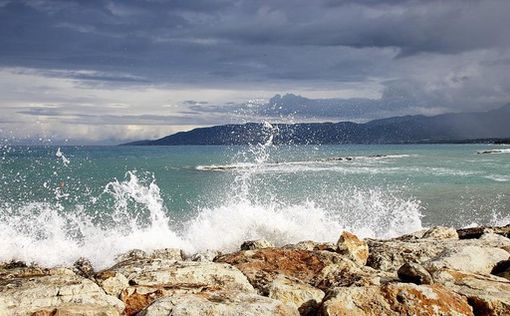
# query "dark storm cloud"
(426, 56)
(194, 41)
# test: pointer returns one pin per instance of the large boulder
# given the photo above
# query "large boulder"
(389, 255)
(302, 296)
(487, 294)
(230, 303)
(321, 269)
(440, 232)
(395, 299)
(31, 289)
(353, 247)
(151, 279)
(473, 259)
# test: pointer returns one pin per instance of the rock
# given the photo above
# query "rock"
(312, 245)
(305, 298)
(31, 289)
(473, 259)
(83, 268)
(256, 244)
(112, 282)
(230, 303)
(395, 299)
(392, 254)
(78, 310)
(166, 253)
(350, 245)
(440, 232)
(321, 269)
(502, 269)
(389, 255)
(477, 232)
(487, 294)
(205, 256)
(151, 279)
(414, 273)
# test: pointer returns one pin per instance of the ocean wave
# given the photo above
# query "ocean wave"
(498, 177)
(495, 151)
(51, 235)
(313, 164)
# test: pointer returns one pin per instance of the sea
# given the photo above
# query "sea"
(60, 203)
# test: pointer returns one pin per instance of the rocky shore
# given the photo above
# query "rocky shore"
(439, 271)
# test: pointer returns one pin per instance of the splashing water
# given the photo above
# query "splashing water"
(51, 234)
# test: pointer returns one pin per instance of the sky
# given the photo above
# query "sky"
(106, 72)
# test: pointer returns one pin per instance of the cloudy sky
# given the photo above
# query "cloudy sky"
(96, 71)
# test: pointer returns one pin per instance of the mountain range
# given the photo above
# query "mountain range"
(450, 127)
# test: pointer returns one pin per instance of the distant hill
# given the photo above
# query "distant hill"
(451, 127)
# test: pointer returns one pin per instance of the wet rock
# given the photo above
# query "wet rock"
(395, 299)
(487, 294)
(205, 256)
(354, 248)
(321, 269)
(137, 254)
(83, 268)
(305, 298)
(312, 245)
(440, 232)
(477, 232)
(414, 273)
(27, 290)
(256, 244)
(473, 259)
(230, 303)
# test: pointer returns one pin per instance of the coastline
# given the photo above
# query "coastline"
(439, 271)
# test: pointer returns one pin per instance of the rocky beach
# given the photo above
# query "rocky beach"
(437, 271)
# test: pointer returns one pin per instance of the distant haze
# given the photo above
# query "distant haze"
(104, 72)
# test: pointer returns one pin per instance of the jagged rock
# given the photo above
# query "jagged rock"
(389, 255)
(78, 310)
(112, 282)
(473, 259)
(256, 244)
(477, 232)
(440, 232)
(302, 296)
(231, 303)
(150, 279)
(83, 268)
(414, 273)
(166, 253)
(30, 289)
(350, 245)
(205, 256)
(395, 299)
(487, 294)
(321, 269)
(312, 245)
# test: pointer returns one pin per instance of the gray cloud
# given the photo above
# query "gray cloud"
(367, 58)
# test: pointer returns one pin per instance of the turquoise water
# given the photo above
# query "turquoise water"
(59, 204)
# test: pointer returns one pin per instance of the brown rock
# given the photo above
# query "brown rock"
(487, 294)
(321, 269)
(353, 247)
(395, 299)
(414, 273)
(292, 292)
